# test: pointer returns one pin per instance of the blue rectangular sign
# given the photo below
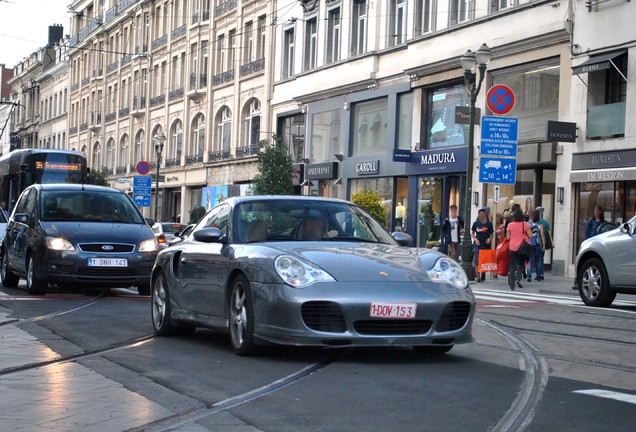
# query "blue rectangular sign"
(141, 200)
(497, 170)
(142, 181)
(499, 136)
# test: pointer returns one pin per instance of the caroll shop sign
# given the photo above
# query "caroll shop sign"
(368, 167)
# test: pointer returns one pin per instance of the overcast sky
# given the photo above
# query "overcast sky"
(24, 26)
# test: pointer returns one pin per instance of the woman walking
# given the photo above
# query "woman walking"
(537, 241)
(518, 231)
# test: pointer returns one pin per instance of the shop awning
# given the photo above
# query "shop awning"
(597, 62)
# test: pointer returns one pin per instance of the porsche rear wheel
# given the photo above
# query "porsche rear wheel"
(160, 311)
(241, 315)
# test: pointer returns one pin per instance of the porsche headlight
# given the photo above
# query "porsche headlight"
(149, 245)
(59, 244)
(448, 271)
(299, 274)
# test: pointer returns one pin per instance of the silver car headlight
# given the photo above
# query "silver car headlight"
(59, 244)
(298, 273)
(448, 271)
(149, 245)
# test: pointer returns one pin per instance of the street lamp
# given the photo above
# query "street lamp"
(158, 140)
(480, 58)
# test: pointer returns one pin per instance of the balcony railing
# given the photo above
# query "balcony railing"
(132, 167)
(112, 67)
(72, 130)
(110, 14)
(90, 28)
(126, 59)
(225, 7)
(85, 81)
(73, 41)
(110, 117)
(159, 42)
(606, 120)
(123, 4)
(218, 155)
(175, 94)
(178, 32)
(139, 102)
(157, 100)
(203, 80)
(123, 112)
(246, 151)
(252, 67)
(75, 86)
(194, 159)
(223, 77)
(83, 127)
(173, 162)
(121, 170)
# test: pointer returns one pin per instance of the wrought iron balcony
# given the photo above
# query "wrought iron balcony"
(124, 112)
(83, 127)
(110, 14)
(157, 100)
(225, 7)
(121, 170)
(157, 43)
(110, 117)
(173, 162)
(175, 94)
(178, 32)
(246, 151)
(75, 86)
(218, 155)
(126, 59)
(223, 77)
(85, 81)
(112, 67)
(252, 67)
(73, 41)
(72, 130)
(192, 159)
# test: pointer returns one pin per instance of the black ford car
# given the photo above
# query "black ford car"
(79, 236)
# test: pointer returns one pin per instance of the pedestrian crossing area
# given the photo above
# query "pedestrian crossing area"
(491, 298)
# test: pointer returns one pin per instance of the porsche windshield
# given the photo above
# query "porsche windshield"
(305, 220)
(85, 206)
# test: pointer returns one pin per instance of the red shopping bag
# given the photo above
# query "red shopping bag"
(503, 257)
(487, 261)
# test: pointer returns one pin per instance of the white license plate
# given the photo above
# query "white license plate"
(107, 262)
(393, 310)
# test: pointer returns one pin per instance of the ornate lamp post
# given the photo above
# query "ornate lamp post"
(480, 58)
(158, 140)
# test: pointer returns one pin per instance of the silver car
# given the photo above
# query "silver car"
(308, 271)
(606, 265)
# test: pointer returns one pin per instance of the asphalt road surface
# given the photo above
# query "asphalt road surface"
(541, 362)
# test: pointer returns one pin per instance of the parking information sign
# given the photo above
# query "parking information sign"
(497, 170)
(499, 136)
(142, 190)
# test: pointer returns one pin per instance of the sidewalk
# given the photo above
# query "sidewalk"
(550, 285)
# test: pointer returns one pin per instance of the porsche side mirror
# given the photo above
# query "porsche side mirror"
(209, 235)
(402, 238)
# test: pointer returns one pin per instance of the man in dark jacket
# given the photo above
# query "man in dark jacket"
(452, 231)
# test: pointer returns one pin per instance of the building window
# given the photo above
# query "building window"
(325, 136)
(537, 88)
(369, 126)
(224, 129)
(441, 129)
(220, 54)
(176, 142)
(249, 42)
(292, 130)
(460, 11)
(606, 99)
(97, 156)
(140, 146)
(252, 122)
(231, 40)
(197, 140)
(405, 121)
(110, 155)
(288, 55)
(397, 22)
(497, 5)
(333, 35)
(425, 16)
(194, 65)
(359, 27)
(123, 151)
(311, 43)
(261, 32)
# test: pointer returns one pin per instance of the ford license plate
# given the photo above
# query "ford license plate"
(393, 310)
(107, 262)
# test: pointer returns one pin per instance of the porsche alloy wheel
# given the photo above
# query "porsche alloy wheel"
(160, 310)
(241, 314)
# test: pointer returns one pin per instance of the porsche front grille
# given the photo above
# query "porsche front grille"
(323, 316)
(454, 317)
(392, 326)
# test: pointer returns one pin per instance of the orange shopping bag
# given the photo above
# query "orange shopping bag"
(487, 261)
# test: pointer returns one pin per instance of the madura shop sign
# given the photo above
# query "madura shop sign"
(451, 160)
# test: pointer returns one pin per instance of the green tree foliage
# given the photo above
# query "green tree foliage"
(196, 214)
(371, 202)
(99, 177)
(274, 169)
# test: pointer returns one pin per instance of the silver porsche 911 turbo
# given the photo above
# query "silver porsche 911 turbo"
(300, 270)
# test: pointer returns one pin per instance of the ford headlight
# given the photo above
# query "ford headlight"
(149, 245)
(448, 271)
(59, 244)
(299, 274)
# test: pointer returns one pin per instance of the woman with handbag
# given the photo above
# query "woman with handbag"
(518, 233)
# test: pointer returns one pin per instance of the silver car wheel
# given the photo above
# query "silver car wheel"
(238, 314)
(591, 282)
(158, 304)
